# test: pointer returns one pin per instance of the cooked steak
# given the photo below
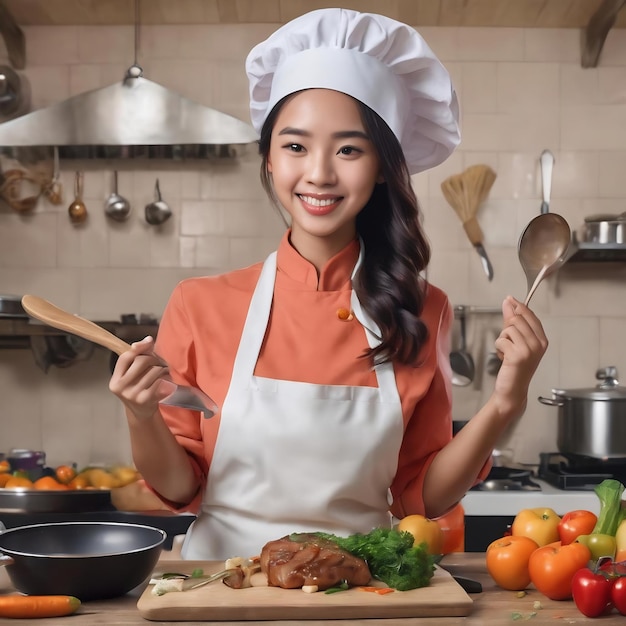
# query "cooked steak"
(305, 559)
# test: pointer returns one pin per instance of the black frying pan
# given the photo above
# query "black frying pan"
(89, 560)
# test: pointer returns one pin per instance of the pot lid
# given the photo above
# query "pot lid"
(607, 389)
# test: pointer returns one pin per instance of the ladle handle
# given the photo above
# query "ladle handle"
(62, 320)
(547, 163)
(542, 274)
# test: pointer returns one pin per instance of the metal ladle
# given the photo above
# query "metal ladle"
(542, 248)
(77, 209)
(158, 211)
(117, 207)
(461, 361)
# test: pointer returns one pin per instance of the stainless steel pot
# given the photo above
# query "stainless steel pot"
(592, 421)
(604, 229)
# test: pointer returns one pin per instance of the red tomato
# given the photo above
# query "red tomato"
(540, 524)
(507, 561)
(574, 524)
(552, 568)
(591, 592)
(618, 594)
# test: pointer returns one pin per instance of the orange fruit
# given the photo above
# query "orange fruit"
(78, 482)
(18, 481)
(423, 530)
(4, 478)
(48, 483)
(5, 466)
(64, 474)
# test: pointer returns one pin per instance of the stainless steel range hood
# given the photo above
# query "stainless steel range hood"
(135, 118)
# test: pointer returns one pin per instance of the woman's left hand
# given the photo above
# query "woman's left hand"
(521, 346)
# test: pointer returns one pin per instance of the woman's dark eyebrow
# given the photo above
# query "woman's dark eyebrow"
(343, 134)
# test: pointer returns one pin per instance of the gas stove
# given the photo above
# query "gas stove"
(507, 490)
(571, 472)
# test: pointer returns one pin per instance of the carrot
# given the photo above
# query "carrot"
(381, 591)
(37, 606)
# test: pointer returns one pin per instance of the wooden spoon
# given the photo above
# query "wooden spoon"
(186, 397)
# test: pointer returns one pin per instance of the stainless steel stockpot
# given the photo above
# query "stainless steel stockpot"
(604, 229)
(592, 421)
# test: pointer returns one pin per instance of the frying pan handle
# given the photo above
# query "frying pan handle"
(551, 401)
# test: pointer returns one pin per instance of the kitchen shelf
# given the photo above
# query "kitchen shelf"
(15, 332)
(596, 252)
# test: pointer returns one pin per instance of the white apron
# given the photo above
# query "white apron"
(293, 456)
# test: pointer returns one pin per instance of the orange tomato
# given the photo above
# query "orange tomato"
(507, 561)
(48, 483)
(540, 524)
(5, 466)
(64, 473)
(424, 530)
(18, 481)
(553, 566)
(576, 523)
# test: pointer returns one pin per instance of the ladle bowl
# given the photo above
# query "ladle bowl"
(542, 248)
(117, 207)
(158, 211)
(461, 361)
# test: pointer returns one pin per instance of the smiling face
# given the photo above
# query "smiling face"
(323, 168)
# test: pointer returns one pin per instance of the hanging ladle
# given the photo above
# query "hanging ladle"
(183, 396)
(461, 361)
(117, 207)
(77, 209)
(542, 248)
(158, 211)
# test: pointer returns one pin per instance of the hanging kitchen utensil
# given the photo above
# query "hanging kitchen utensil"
(461, 361)
(183, 396)
(465, 193)
(158, 211)
(11, 96)
(117, 207)
(547, 165)
(59, 350)
(77, 209)
(54, 190)
(16, 184)
(542, 249)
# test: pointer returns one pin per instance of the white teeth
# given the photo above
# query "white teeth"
(317, 201)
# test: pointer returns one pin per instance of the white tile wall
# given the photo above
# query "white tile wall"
(521, 91)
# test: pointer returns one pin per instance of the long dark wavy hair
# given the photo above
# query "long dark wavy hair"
(396, 249)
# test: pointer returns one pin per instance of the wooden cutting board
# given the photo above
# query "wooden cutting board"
(217, 602)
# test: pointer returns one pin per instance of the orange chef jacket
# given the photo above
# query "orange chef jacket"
(308, 339)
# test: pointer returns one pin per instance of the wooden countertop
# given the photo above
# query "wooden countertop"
(493, 606)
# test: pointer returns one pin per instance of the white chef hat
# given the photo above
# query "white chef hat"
(383, 63)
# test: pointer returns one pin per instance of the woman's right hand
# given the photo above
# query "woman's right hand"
(140, 380)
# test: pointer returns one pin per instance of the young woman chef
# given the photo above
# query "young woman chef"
(330, 359)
